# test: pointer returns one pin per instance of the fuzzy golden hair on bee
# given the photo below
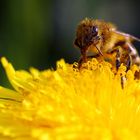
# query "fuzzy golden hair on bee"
(103, 38)
(89, 28)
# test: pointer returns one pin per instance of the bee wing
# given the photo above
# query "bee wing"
(131, 37)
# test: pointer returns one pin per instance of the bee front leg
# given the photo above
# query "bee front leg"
(83, 59)
(80, 62)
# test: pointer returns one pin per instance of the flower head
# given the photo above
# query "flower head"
(68, 103)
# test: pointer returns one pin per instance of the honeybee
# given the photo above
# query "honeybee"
(104, 40)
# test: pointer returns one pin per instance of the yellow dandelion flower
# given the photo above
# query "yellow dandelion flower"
(67, 104)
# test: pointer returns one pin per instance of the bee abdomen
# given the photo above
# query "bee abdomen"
(133, 53)
(135, 59)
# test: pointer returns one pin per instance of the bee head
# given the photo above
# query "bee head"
(86, 35)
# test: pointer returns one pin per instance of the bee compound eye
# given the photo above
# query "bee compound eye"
(94, 31)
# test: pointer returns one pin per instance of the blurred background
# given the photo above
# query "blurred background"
(39, 32)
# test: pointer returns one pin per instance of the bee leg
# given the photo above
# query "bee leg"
(80, 62)
(128, 63)
(137, 75)
(83, 59)
(118, 63)
(122, 81)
